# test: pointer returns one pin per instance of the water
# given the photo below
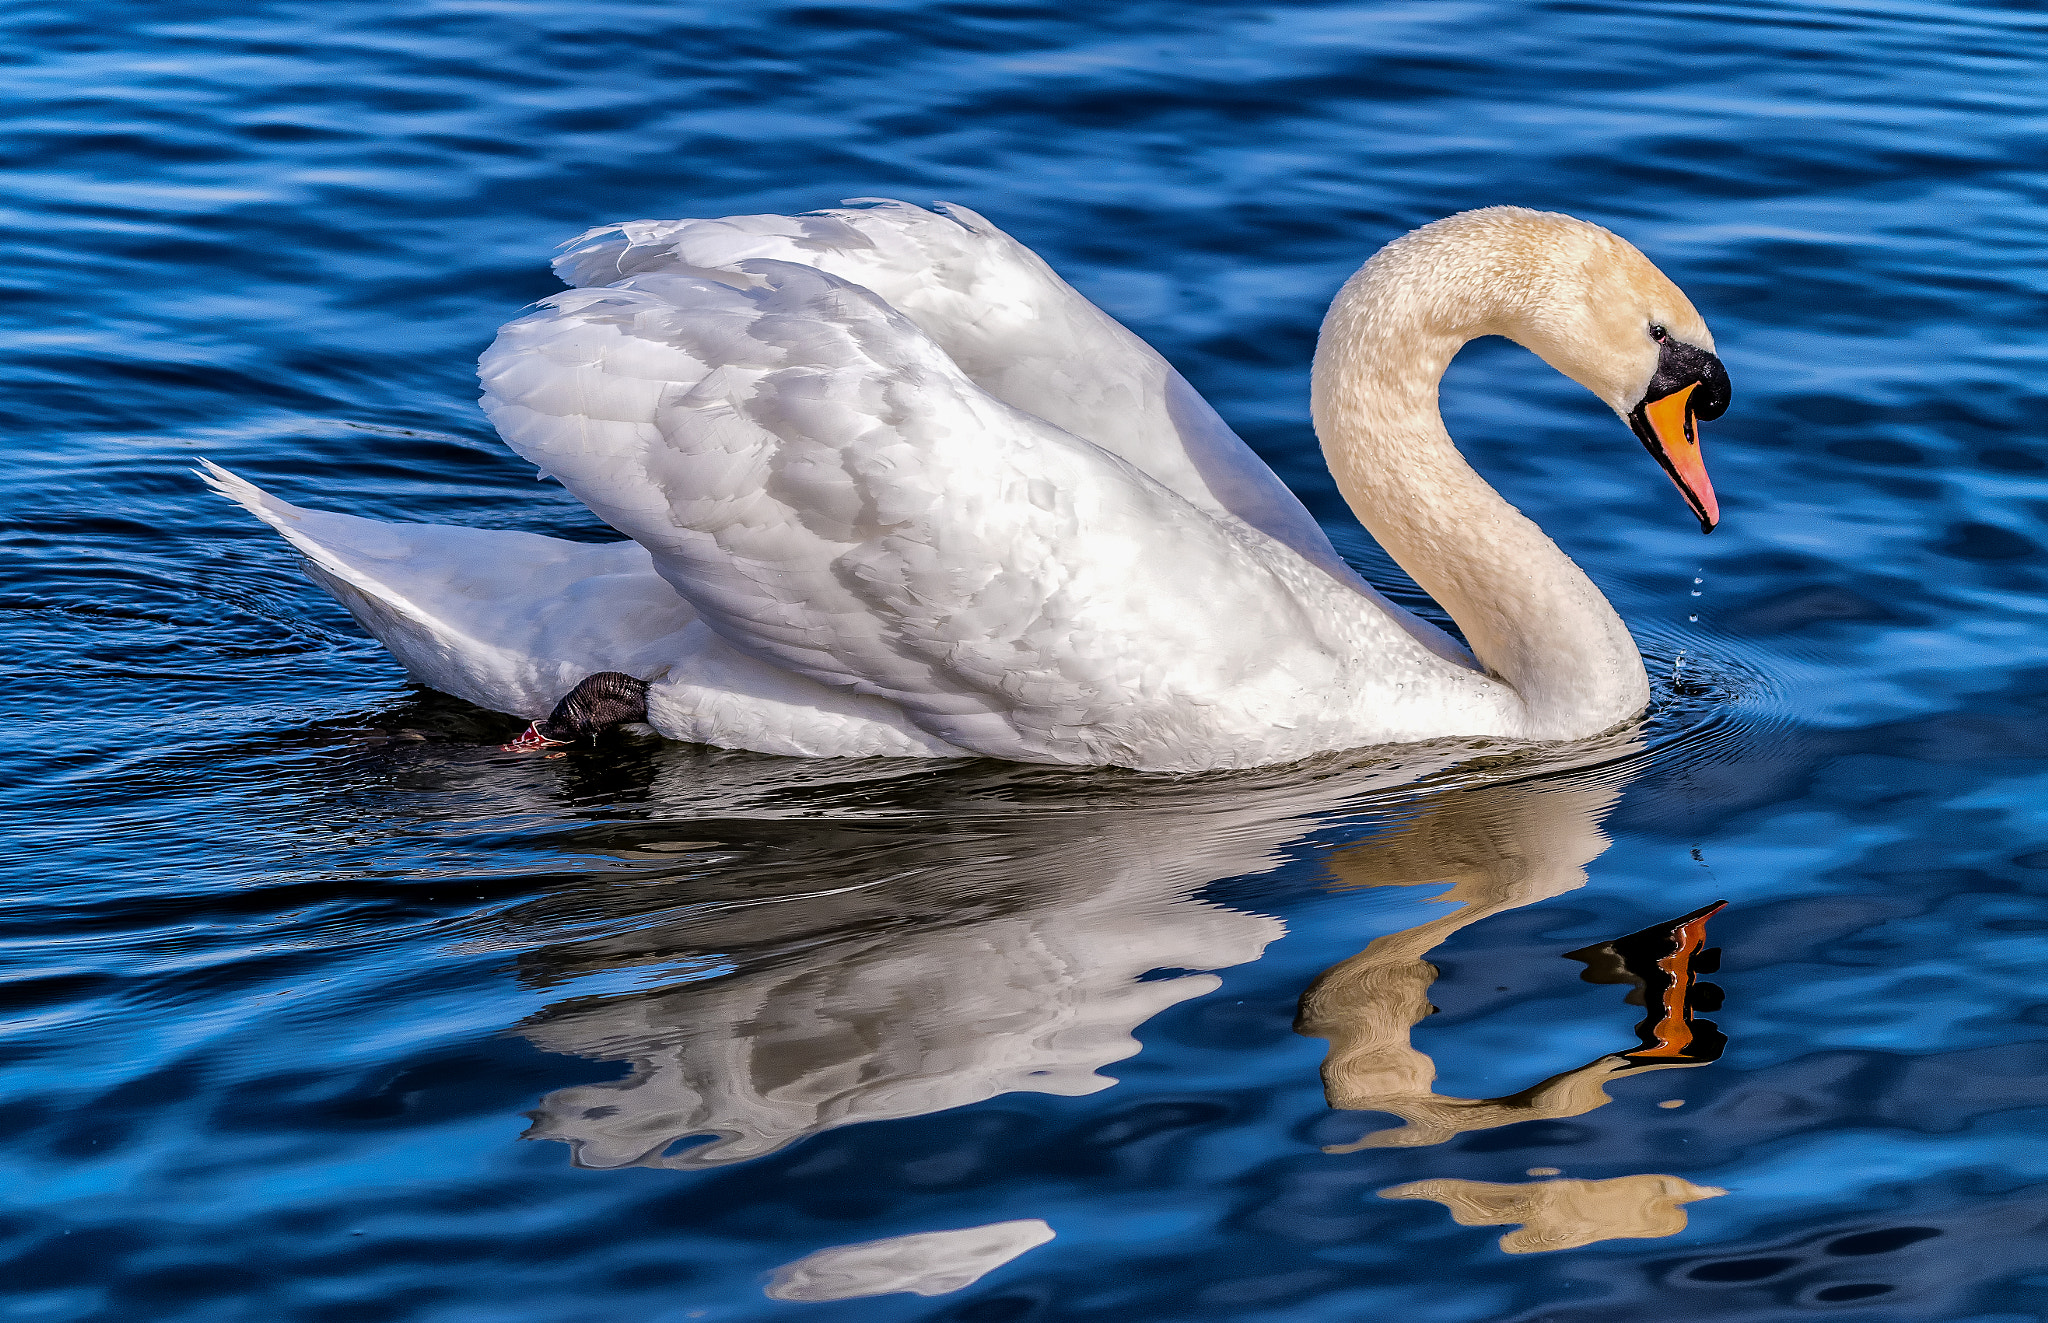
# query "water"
(297, 959)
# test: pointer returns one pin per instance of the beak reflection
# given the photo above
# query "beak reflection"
(1664, 961)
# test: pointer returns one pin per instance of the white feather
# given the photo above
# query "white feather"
(512, 621)
(1016, 329)
(837, 498)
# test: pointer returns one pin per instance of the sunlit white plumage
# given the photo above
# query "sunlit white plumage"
(894, 488)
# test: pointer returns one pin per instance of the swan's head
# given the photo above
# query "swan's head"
(1589, 304)
(1605, 316)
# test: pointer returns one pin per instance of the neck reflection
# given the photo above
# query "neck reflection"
(1501, 847)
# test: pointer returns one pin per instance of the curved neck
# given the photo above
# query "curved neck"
(1532, 617)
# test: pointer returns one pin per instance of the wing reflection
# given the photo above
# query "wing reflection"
(884, 1020)
(1501, 847)
(902, 944)
(885, 969)
(928, 1263)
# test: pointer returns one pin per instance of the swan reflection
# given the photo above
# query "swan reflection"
(933, 941)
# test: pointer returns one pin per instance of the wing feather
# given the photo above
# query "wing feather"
(835, 496)
(1012, 325)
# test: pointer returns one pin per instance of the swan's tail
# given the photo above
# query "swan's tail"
(509, 621)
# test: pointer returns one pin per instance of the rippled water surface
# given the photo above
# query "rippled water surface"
(320, 1008)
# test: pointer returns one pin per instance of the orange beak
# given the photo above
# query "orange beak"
(1670, 430)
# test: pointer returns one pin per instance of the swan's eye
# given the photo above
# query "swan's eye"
(1657, 334)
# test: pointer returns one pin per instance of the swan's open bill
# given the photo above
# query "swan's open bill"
(600, 702)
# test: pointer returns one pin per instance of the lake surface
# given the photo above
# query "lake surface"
(320, 1008)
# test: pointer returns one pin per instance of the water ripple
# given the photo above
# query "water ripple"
(296, 950)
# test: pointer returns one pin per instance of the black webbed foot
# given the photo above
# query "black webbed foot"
(598, 703)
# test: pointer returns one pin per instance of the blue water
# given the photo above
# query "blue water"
(319, 1008)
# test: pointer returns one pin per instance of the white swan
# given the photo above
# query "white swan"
(895, 488)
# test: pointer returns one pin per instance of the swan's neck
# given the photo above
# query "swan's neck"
(1532, 617)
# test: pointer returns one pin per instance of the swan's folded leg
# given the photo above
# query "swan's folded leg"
(599, 702)
(514, 621)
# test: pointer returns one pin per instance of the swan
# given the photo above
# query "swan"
(893, 488)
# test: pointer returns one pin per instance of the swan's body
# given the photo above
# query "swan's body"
(894, 488)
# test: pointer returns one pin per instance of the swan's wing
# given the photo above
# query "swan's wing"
(509, 621)
(834, 496)
(1015, 328)
(512, 621)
